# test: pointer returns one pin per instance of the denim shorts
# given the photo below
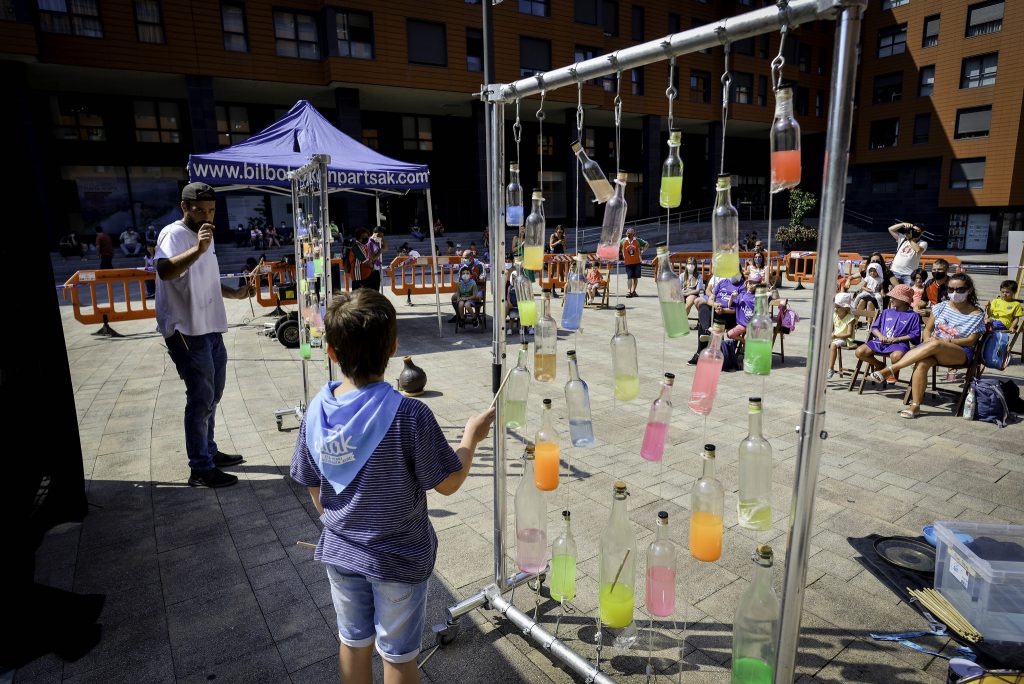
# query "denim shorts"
(392, 614)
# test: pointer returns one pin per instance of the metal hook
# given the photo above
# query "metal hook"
(575, 75)
(720, 31)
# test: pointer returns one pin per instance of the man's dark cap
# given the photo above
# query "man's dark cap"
(197, 191)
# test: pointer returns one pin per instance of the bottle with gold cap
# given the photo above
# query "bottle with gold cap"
(514, 198)
(755, 625)
(534, 240)
(725, 231)
(757, 349)
(671, 195)
(563, 563)
(625, 367)
(617, 570)
(785, 142)
(614, 220)
(548, 448)
(754, 499)
(531, 520)
(593, 174)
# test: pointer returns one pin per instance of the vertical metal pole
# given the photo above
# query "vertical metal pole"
(812, 434)
(325, 234)
(436, 269)
(303, 335)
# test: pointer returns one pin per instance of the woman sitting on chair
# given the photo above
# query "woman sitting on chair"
(950, 334)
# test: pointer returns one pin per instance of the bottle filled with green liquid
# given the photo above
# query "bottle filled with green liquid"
(524, 298)
(755, 625)
(517, 391)
(670, 296)
(754, 500)
(563, 563)
(625, 368)
(672, 173)
(757, 350)
(725, 231)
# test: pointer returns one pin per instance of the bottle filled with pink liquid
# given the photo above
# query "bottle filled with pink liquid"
(531, 520)
(661, 571)
(614, 219)
(785, 140)
(709, 367)
(653, 447)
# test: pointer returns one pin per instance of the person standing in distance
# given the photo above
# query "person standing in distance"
(190, 315)
(909, 248)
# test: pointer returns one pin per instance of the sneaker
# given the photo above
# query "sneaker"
(213, 478)
(829, 374)
(222, 460)
(693, 360)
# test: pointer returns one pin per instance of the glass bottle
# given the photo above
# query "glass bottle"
(524, 298)
(670, 295)
(531, 520)
(617, 571)
(625, 370)
(546, 445)
(661, 571)
(517, 391)
(757, 350)
(575, 295)
(707, 506)
(653, 446)
(577, 400)
(592, 172)
(754, 500)
(756, 624)
(614, 219)
(672, 173)
(514, 198)
(785, 136)
(563, 563)
(709, 367)
(725, 231)
(545, 342)
(533, 243)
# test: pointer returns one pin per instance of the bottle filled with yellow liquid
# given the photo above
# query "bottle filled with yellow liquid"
(707, 506)
(625, 368)
(563, 563)
(725, 231)
(525, 303)
(533, 244)
(754, 499)
(517, 391)
(617, 571)
(545, 343)
(671, 194)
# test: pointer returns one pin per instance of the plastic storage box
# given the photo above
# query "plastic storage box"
(983, 578)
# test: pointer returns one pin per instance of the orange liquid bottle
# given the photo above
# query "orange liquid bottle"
(705, 536)
(547, 452)
(707, 501)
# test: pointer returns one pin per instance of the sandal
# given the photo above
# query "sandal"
(878, 377)
(910, 412)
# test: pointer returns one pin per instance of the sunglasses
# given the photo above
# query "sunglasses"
(958, 289)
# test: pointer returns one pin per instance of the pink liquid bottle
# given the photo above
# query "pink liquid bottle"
(709, 367)
(531, 520)
(661, 571)
(653, 447)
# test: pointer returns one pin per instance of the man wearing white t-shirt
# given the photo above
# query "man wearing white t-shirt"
(909, 248)
(190, 315)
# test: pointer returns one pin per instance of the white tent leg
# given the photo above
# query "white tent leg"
(433, 253)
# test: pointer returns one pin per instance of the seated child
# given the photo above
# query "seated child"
(1006, 310)
(919, 278)
(844, 325)
(743, 304)
(593, 282)
(368, 456)
(893, 330)
(467, 294)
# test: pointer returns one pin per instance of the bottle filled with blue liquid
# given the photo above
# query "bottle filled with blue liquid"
(514, 198)
(577, 398)
(575, 295)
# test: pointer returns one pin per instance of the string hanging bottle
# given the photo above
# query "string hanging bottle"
(671, 195)
(725, 231)
(661, 571)
(617, 571)
(593, 174)
(548, 450)
(670, 296)
(517, 391)
(531, 520)
(755, 625)
(754, 501)
(525, 303)
(577, 400)
(707, 506)
(625, 368)
(533, 247)
(785, 135)
(575, 295)
(514, 198)
(563, 563)
(545, 343)
(653, 447)
(757, 350)
(709, 368)
(614, 220)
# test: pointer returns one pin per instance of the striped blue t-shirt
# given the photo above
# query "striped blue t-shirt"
(951, 324)
(378, 526)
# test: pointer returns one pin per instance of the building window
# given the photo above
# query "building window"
(967, 173)
(922, 126)
(546, 145)
(371, 138)
(590, 141)
(674, 23)
(416, 133)
(232, 19)
(74, 17)
(804, 58)
(888, 88)
(232, 124)
(801, 100)
(474, 49)
(638, 23)
(742, 88)
(582, 53)
(984, 17)
(884, 133)
(534, 56)
(885, 182)
(537, 8)
(819, 104)
(157, 122)
(892, 41)
(979, 71)
(743, 47)
(973, 123)
(921, 178)
(636, 81)
(762, 91)
(890, 4)
(354, 33)
(428, 42)
(149, 27)
(610, 17)
(296, 35)
(585, 12)
(76, 121)
(931, 31)
(823, 54)
(700, 86)
(926, 82)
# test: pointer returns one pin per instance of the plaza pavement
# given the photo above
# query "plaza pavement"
(209, 585)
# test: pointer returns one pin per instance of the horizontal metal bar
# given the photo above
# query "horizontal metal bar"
(468, 605)
(313, 164)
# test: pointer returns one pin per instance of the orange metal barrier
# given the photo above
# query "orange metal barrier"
(415, 275)
(556, 270)
(928, 259)
(271, 275)
(103, 286)
(800, 267)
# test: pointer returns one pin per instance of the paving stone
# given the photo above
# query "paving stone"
(301, 635)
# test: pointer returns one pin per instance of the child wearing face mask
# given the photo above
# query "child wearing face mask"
(869, 299)
(468, 295)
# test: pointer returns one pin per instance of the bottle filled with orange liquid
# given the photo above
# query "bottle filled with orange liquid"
(707, 506)
(785, 138)
(547, 452)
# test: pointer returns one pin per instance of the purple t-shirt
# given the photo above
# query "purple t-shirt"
(744, 303)
(893, 323)
(723, 289)
(378, 526)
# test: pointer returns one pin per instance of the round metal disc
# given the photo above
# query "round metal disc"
(907, 552)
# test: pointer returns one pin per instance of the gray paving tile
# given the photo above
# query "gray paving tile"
(301, 635)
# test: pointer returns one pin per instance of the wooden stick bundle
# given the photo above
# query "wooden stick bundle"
(941, 608)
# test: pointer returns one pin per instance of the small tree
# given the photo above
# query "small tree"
(801, 203)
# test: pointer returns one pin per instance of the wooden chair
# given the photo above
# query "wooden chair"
(974, 369)
(778, 332)
(867, 373)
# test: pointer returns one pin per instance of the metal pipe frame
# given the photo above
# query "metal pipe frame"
(479, 599)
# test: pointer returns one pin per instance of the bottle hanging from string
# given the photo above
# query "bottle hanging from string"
(661, 571)
(754, 500)
(670, 296)
(707, 506)
(617, 571)
(756, 624)
(545, 343)
(533, 248)
(563, 563)
(577, 400)
(725, 231)
(614, 220)
(709, 367)
(625, 368)
(757, 350)
(514, 198)
(517, 391)
(785, 139)
(653, 447)
(525, 302)
(671, 195)
(575, 295)
(531, 520)
(548, 450)
(593, 174)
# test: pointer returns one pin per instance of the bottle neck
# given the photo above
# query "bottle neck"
(528, 469)
(716, 339)
(574, 371)
(521, 362)
(566, 529)
(620, 326)
(784, 103)
(545, 418)
(662, 534)
(709, 469)
(619, 517)
(666, 392)
(620, 188)
(754, 422)
(664, 262)
(514, 176)
(538, 206)
(547, 306)
(723, 197)
(760, 304)
(762, 574)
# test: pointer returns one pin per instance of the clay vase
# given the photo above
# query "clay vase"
(412, 379)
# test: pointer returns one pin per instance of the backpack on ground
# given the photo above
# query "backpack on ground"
(1011, 393)
(989, 401)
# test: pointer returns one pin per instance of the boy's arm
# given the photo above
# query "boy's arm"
(314, 493)
(477, 429)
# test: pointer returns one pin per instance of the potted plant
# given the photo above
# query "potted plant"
(796, 235)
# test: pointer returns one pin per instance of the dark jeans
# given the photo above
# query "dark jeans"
(202, 362)
(705, 316)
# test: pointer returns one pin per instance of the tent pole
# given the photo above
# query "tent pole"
(437, 265)
(325, 234)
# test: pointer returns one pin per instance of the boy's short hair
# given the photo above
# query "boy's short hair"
(362, 327)
(1010, 285)
(940, 262)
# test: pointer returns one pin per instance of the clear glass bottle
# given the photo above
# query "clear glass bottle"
(709, 367)
(577, 400)
(625, 368)
(514, 198)
(593, 174)
(785, 138)
(517, 391)
(757, 350)
(525, 302)
(575, 295)
(754, 500)
(547, 445)
(617, 571)
(707, 507)
(653, 447)
(661, 571)
(671, 195)
(725, 231)
(563, 563)
(545, 343)
(670, 296)
(614, 220)
(533, 242)
(531, 520)
(756, 624)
